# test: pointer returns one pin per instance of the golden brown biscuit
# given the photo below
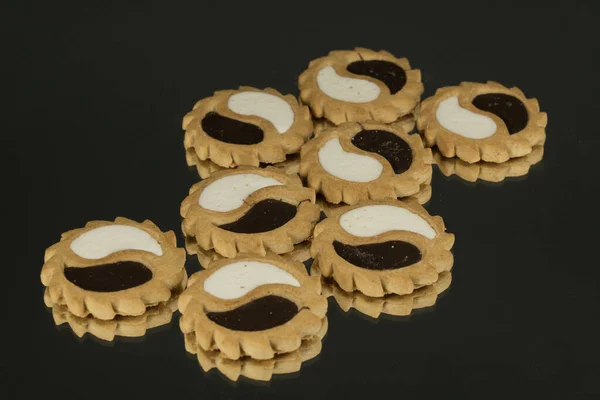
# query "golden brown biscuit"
(360, 85)
(256, 306)
(252, 210)
(482, 122)
(247, 126)
(369, 160)
(113, 268)
(382, 247)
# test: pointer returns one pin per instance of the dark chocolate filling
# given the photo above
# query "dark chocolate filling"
(264, 216)
(231, 130)
(109, 277)
(257, 315)
(379, 256)
(508, 108)
(387, 145)
(392, 75)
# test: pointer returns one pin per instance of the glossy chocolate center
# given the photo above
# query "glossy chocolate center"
(231, 130)
(109, 277)
(392, 75)
(379, 256)
(264, 216)
(508, 108)
(386, 144)
(257, 315)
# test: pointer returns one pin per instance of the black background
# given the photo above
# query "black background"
(92, 130)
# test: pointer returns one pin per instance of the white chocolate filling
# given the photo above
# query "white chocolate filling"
(464, 122)
(229, 192)
(272, 108)
(374, 220)
(237, 279)
(348, 166)
(347, 89)
(105, 240)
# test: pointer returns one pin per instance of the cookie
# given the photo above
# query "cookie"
(382, 247)
(205, 168)
(113, 268)
(260, 370)
(251, 210)
(300, 253)
(359, 161)
(485, 171)
(247, 126)
(254, 306)
(482, 122)
(391, 304)
(137, 326)
(360, 85)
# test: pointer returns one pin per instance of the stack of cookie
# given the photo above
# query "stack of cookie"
(483, 131)
(114, 278)
(253, 316)
(384, 256)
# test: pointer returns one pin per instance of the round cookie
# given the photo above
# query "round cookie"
(485, 171)
(247, 126)
(391, 304)
(382, 247)
(113, 268)
(482, 122)
(249, 210)
(360, 161)
(360, 85)
(255, 306)
(260, 370)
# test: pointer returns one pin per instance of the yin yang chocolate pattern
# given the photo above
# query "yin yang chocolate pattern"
(113, 268)
(256, 306)
(249, 210)
(382, 247)
(360, 161)
(247, 126)
(360, 85)
(482, 122)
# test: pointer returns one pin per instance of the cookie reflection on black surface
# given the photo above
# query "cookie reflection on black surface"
(122, 326)
(259, 370)
(394, 305)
